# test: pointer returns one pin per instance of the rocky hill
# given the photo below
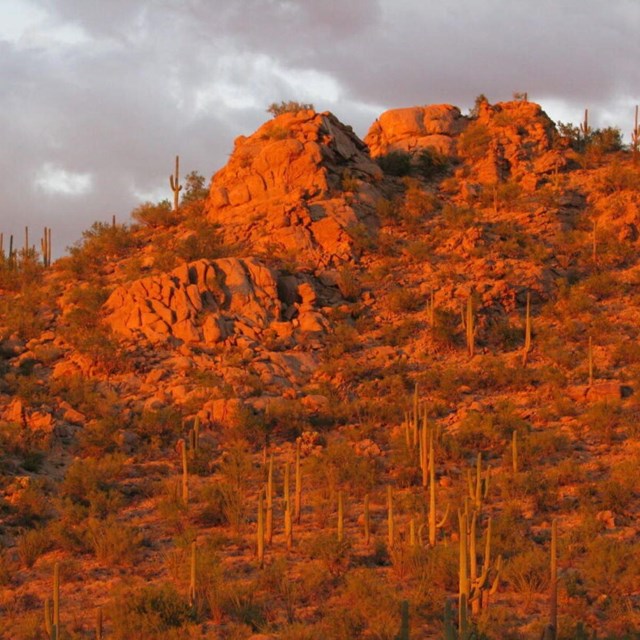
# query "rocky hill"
(462, 280)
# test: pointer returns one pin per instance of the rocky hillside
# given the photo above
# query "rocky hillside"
(334, 305)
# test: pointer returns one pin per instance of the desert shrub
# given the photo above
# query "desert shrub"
(156, 215)
(99, 435)
(528, 573)
(474, 141)
(236, 470)
(417, 204)
(435, 577)
(290, 106)
(32, 505)
(81, 327)
(368, 609)
(419, 250)
(91, 484)
(458, 217)
(431, 163)
(159, 428)
(402, 300)
(205, 241)
(340, 467)
(509, 531)
(610, 567)
(477, 430)
(6, 568)
(22, 314)
(617, 177)
(445, 331)
(195, 189)
(113, 541)
(387, 210)
(395, 163)
(154, 613)
(348, 282)
(601, 419)
(102, 241)
(31, 544)
(607, 140)
(544, 445)
(362, 236)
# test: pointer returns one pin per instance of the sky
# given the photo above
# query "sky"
(97, 97)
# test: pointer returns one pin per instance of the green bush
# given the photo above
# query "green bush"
(528, 573)
(431, 163)
(290, 106)
(31, 544)
(395, 163)
(101, 242)
(474, 141)
(156, 215)
(113, 541)
(153, 613)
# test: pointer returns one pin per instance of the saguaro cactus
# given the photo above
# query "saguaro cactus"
(434, 525)
(298, 496)
(185, 472)
(52, 621)
(260, 534)
(193, 575)
(463, 576)
(470, 327)
(404, 621)
(478, 489)
(194, 437)
(45, 247)
(585, 129)
(175, 186)
(527, 332)
(99, 634)
(269, 532)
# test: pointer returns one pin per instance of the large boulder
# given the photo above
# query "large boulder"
(296, 188)
(203, 301)
(412, 129)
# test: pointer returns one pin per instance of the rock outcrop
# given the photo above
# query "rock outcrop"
(204, 301)
(411, 129)
(511, 140)
(297, 187)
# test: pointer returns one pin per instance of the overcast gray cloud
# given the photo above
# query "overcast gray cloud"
(96, 98)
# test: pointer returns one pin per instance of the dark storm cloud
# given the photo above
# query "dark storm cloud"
(100, 96)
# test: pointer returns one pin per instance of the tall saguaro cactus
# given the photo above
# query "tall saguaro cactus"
(174, 183)
(193, 575)
(52, 620)
(469, 327)
(260, 533)
(185, 472)
(269, 527)
(527, 332)
(585, 128)
(45, 247)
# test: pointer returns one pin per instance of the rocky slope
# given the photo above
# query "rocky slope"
(304, 297)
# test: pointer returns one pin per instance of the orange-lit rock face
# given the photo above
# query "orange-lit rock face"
(204, 301)
(414, 128)
(510, 140)
(282, 190)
